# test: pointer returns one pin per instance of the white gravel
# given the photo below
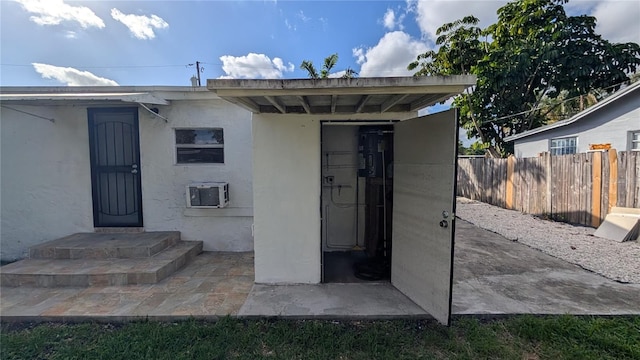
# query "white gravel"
(574, 244)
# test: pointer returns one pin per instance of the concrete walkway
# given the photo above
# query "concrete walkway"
(492, 275)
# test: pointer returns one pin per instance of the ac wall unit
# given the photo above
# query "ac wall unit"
(208, 195)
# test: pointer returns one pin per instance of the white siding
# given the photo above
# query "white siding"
(611, 124)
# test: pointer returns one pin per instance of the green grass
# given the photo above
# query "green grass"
(519, 337)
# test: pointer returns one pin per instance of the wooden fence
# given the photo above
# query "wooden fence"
(578, 188)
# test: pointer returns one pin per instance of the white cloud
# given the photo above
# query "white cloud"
(324, 22)
(430, 15)
(391, 20)
(254, 66)
(302, 16)
(618, 21)
(140, 26)
(71, 35)
(390, 56)
(71, 76)
(54, 12)
(289, 26)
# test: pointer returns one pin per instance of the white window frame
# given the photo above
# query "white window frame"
(197, 146)
(633, 145)
(565, 138)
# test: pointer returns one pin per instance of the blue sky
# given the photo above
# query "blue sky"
(56, 42)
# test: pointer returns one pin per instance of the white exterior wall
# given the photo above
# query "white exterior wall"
(286, 195)
(611, 124)
(164, 181)
(46, 176)
(286, 156)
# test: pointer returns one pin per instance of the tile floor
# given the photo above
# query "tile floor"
(213, 284)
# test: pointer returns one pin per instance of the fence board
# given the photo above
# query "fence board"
(576, 188)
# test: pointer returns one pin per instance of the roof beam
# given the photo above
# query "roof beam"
(392, 101)
(334, 103)
(244, 102)
(278, 105)
(360, 105)
(304, 101)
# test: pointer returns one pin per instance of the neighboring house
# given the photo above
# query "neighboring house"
(613, 122)
(308, 163)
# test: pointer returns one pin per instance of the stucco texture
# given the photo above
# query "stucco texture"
(46, 175)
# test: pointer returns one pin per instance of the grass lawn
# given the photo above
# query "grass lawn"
(519, 337)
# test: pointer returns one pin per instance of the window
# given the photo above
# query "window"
(563, 146)
(199, 146)
(634, 140)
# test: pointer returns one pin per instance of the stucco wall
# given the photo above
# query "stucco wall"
(595, 128)
(286, 155)
(286, 194)
(164, 182)
(46, 176)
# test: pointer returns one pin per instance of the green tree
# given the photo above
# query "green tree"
(329, 62)
(526, 63)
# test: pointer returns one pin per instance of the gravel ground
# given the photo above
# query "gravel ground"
(575, 244)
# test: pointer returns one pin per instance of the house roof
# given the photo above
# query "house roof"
(340, 96)
(579, 116)
(151, 95)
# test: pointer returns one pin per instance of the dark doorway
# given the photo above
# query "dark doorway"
(115, 167)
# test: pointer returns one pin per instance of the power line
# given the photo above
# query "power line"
(561, 102)
(104, 67)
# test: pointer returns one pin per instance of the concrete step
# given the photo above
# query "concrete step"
(99, 272)
(106, 245)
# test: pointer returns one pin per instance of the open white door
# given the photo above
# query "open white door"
(423, 211)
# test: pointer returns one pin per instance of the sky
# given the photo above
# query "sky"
(85, 43)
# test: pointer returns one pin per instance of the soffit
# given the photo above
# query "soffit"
(340, 96)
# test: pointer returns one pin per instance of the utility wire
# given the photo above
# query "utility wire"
(562, 102)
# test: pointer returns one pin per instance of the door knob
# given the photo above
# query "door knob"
(444, 224)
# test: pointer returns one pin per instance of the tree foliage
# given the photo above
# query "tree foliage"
(527, 63)
(329, 63)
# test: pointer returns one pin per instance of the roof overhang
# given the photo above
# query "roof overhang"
(340, 96)
(31, 98)
(101, 95)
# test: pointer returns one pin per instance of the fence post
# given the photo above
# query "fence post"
(596, 187)
(547, 173)
(511, 164)
(613, 179)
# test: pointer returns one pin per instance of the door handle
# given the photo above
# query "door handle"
(444, 224)
(134, 171)
(134, 168)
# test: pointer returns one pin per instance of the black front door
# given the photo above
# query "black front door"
(115, 167)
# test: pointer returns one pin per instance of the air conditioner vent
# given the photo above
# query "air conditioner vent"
(211, 195)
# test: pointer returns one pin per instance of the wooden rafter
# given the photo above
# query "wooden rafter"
(360, 105)
(304, 101)
(276, 104)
